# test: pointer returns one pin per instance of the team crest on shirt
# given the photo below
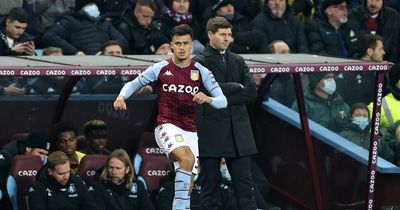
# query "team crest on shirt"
(179, 138)
(194, 75)
(72, 188)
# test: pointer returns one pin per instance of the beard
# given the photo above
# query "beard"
(277, 12)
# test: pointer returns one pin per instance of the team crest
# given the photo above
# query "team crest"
(194, 75)
(179, 138)
(72, 188)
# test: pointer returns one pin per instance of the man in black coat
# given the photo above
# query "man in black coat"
(56, 189)
(375, 18)
(144, 34)
(13, 38)
(277, 22)
(329, 32)
(226, 132)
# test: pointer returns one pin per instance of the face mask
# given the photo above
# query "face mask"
(329, 86)
(92, 11)
(225, 173)
(362, 122)
(229, 17)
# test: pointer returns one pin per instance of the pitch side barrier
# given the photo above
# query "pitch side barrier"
(342, 165)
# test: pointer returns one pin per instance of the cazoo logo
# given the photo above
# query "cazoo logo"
(27, 173)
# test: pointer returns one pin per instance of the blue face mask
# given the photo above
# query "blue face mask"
(92, 11)
(362, 122)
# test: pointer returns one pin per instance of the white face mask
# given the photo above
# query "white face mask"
(92, 11)
(329, 86)
(224, 172)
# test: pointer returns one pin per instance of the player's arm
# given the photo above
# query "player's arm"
(148, 76)
(217, 99)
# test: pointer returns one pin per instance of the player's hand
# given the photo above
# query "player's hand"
(119, 103)
(201, 98)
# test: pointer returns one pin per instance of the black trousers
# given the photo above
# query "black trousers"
(240, 171)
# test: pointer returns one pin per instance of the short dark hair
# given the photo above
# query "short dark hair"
(368, 41)
(149, 3)
(358, 105)
(109, 43)
(17, 13)
(215, 23)
(95, 128)
(182, 30)
(60, 128)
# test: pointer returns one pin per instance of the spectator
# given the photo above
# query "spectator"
(323, 104)
(64, 135)
(111, 48)
(277, 22)
(37, 144)
(329, 33)
(95, 132)
(110, 84)
(358, 130)
(278, 47)
(282, 89)
(56, 188)
(177, 12)
(245, 39)
(144, 34)
(248, 8)
(176, 127)
(52, 51)
(392, 137)
(390, 110)
(13, 38)
(83, 32)
(362, 83)
(46, 13)
(229, 127)
(117, 186)
(375, 18)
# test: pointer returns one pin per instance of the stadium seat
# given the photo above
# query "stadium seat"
(147, 147)
(89, 165)
(22, 174)
(153, 170)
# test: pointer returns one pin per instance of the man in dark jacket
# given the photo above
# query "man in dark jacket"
(246, 39)
(117, 187)
(375, 18)
(226, 132)
(37, 144)
(56, 189)
(13, 39)
(329, 33)
(144, 34)
(84, 32)
(277, 22)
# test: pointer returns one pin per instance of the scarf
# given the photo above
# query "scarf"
(179, 19)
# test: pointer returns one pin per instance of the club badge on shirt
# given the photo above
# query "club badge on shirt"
(194, 75)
